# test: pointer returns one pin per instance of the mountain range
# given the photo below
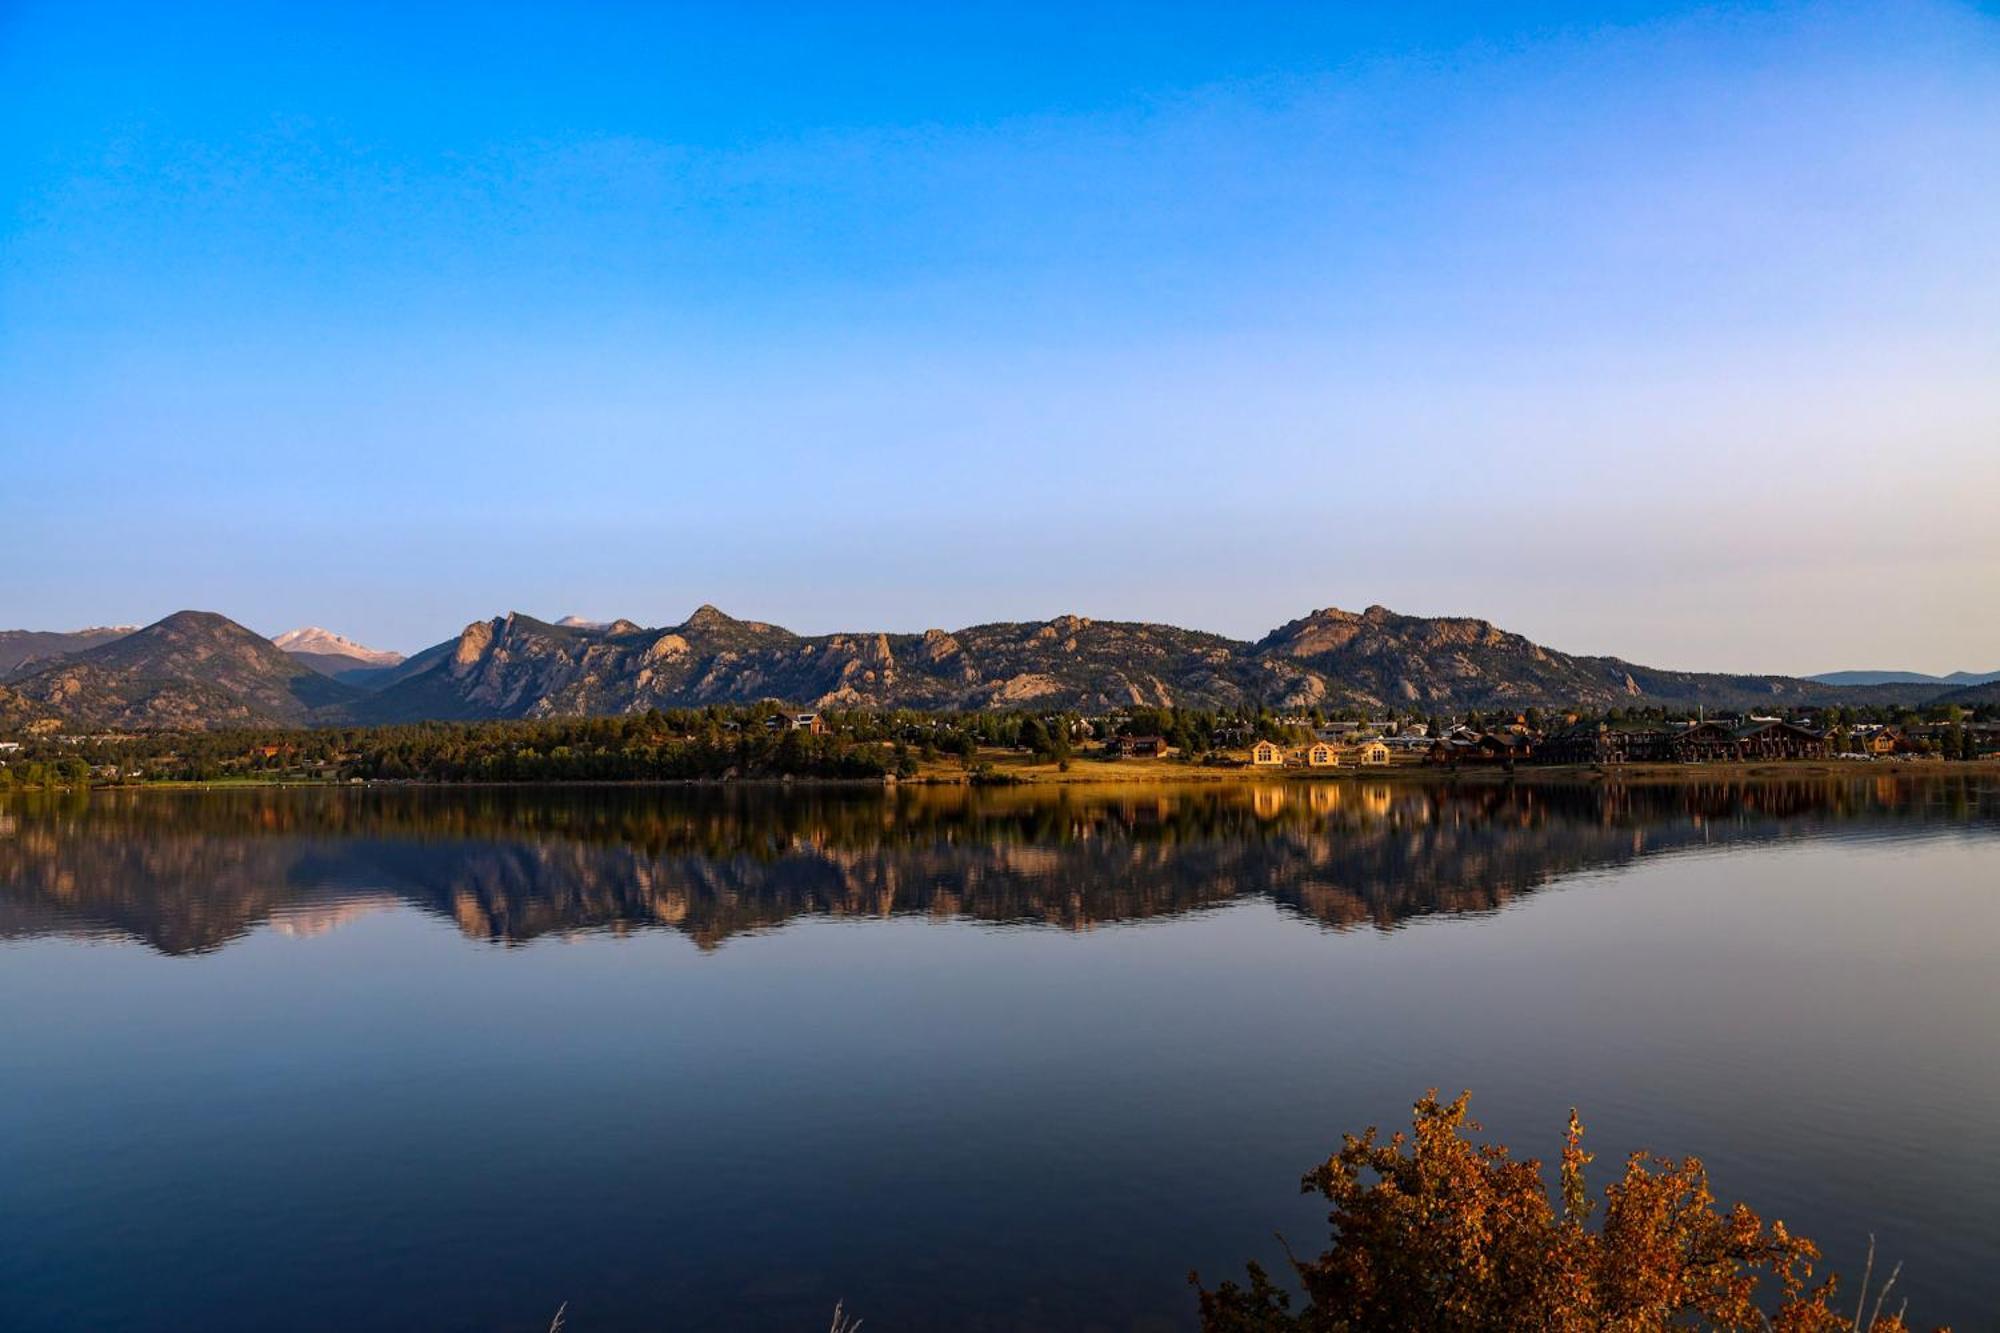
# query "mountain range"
(200, 669)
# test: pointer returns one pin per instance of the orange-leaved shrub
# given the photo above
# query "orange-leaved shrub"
(1434, 1234)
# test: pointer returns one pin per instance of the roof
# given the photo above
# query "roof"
(1760, 728)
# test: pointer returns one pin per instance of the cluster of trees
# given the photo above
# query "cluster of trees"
(44, 774)
(639, 747)
(604, 750)
(756, 741)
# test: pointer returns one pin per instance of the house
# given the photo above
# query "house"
(1448, 751)
(1267, 754)
(1585, 743)
(1779, 740)
(1370, 754)
(1493, 747)
(1321, 754)
(1144, 747)
(811, 723)
(1700, 742)
(1883, 742)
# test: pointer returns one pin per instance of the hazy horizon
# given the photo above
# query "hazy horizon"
(1656, 331)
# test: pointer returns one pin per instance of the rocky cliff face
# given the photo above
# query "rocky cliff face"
(516, 666)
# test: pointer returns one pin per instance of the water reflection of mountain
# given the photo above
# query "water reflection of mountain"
(188, 872)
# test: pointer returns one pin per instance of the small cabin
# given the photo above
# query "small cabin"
(1144, 747)
(1884, 742)
(1322, 755)
(1267, 754)
(811, 723)
(1371, 754)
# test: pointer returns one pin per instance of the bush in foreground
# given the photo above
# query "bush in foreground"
(1434, 1233)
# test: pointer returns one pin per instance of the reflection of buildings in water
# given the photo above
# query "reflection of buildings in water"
(191, 873)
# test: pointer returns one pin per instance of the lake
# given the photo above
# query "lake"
(1000, 1059)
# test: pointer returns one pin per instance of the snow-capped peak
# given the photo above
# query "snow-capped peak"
(313, 639)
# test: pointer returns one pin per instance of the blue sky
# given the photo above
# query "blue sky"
(1662, 331)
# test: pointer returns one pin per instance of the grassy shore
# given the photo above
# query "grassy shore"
(1013, 766)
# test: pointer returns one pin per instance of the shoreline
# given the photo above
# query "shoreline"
(1166, 773)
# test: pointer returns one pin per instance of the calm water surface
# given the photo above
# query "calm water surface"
(1013, 1060)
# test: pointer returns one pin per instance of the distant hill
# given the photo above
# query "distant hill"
(1956, 678)
(1971, 696)
(25, 650)
(381, 678)
(193, 669)
(335, 655)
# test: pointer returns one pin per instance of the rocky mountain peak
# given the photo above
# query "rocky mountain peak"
(194, 622)
(1324, 630)
(192, 668)
(709, 616)
(313, 640)
(474, 640)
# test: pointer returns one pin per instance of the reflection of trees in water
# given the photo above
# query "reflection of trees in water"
(191, 871)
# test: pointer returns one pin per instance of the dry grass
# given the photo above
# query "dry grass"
(842, 1321)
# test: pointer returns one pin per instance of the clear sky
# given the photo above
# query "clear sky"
(1669, 332)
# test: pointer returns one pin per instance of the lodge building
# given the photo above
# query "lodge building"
(1690, 743)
